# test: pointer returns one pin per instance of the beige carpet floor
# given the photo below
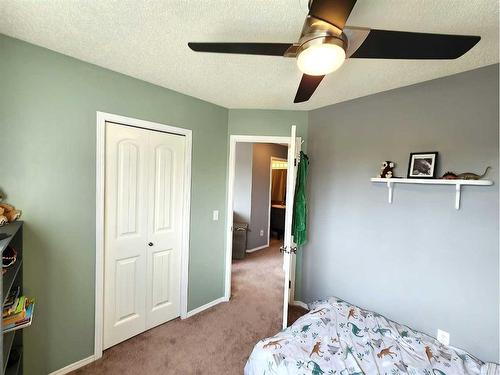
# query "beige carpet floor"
(216, 341)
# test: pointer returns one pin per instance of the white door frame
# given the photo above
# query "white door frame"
(233, 139)
(102, 118)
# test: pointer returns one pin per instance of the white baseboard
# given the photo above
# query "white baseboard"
(257, 248)
(74, 366)
(300, 304)
(207, 306)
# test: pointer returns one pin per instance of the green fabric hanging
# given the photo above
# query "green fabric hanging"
(299, 230)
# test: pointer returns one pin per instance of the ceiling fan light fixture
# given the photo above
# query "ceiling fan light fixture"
(319, 59)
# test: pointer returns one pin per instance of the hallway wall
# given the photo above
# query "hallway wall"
(242, 197)
(261, 177)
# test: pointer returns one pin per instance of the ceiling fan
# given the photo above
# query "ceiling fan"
(325, 43)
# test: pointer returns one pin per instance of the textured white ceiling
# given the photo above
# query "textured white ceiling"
(148, 40)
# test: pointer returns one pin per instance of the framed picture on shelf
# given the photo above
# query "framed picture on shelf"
(422, 165)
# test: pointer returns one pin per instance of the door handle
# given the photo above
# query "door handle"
(150, 244)
(284, 249)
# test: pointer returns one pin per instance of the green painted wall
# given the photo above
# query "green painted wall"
(267, 122)
(272, 123)
(48, 105)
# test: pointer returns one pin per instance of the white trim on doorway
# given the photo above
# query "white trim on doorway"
(102, 118)
(233, 139)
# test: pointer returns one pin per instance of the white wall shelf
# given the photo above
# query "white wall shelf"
(458, 184)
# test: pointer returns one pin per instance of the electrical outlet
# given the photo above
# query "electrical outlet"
(443, 337)
(262, 232)
(215, 215)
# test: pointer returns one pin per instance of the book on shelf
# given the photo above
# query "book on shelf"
(16, 308)
(11, 298)
(19, 314)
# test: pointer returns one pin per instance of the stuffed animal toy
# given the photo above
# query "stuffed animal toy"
(3, 218)
(386, 171)
(8, 213)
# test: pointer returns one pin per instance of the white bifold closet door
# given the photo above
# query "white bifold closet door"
(143, 230)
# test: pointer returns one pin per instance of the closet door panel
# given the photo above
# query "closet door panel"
(125, 232)
(165, 226)
(125, 285)
(163, 188)
(128, 188)
(161, 282)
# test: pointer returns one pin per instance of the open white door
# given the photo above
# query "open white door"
(288, 248)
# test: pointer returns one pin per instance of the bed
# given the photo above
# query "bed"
(338, 338)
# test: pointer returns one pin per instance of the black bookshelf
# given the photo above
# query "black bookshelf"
(12, 342)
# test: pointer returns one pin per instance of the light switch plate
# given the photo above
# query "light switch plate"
(215, 215)
(443, 337)
(262, 232)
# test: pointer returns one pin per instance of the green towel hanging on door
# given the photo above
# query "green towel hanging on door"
(299, 230)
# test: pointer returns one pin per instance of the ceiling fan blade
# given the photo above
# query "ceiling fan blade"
(385, 44)
(270, 49)
(308, 85)
(334, 12)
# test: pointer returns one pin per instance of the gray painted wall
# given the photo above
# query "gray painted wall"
(242, 201)
(261, 177)
(417, 261)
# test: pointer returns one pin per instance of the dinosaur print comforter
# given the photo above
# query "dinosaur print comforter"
(338, 338)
